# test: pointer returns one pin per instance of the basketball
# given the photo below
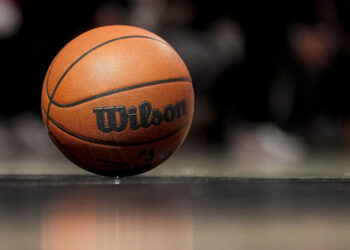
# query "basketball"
(117, 100)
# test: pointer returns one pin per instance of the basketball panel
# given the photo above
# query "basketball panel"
(87, 41)
(112, 160)
(120, 64)
(164, 108)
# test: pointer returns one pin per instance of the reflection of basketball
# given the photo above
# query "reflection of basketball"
(117, 100)
(95, 218)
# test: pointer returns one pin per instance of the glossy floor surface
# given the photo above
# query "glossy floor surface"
(91, 212)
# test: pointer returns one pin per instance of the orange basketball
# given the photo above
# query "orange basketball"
(117, 100)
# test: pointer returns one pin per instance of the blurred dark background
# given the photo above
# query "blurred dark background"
(270, 77)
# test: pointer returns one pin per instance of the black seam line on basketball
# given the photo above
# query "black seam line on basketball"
(85, 54)
(112, 143)
(141, 85)
(48, 76)
(47, 85)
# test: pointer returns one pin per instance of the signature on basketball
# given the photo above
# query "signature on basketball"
(147, 116)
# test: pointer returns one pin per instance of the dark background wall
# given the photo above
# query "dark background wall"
(283, 63)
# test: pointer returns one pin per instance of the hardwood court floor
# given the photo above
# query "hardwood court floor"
(92, 212)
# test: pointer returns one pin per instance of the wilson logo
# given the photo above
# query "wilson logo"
(118, 118)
